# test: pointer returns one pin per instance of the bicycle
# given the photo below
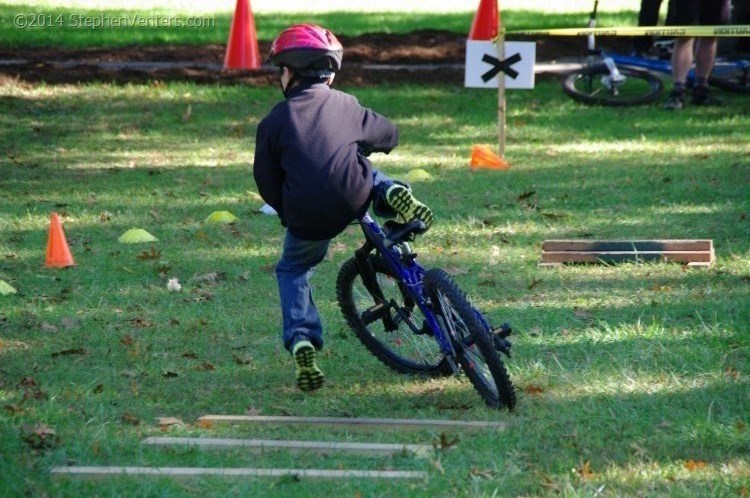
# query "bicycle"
(418, 321)
(613, 79)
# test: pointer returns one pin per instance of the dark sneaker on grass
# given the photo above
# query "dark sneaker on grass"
(309, 376)
(702, 96)
(675, 100)
(400, 199)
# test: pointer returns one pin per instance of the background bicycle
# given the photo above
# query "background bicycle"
(613, 79)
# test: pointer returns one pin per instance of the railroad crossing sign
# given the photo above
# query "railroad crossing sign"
(483, 64)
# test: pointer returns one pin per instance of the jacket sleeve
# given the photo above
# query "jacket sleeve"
(378, 133)
(267, 171)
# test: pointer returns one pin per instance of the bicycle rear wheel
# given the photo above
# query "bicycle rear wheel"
(591, 86)
(731, 76)
(392, 331)
(475, 348)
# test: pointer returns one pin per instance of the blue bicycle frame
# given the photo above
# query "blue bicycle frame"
(721, 68)
(407, 271)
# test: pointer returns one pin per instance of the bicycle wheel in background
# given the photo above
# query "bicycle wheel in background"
(475, 348)
(394, 332)
(591, 85)
(733, 76)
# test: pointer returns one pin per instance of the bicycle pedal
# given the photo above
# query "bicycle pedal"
(502, 331)
(502, 345)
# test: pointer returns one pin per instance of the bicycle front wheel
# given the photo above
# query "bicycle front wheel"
(475, 348)
(592, 85)
(391, 330)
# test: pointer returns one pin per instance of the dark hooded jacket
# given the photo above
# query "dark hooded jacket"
(309, 163)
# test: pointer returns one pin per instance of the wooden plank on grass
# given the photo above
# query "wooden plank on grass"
(262, 445)
(628, 245)
(189, 472)
(347, 423)
(699, 252)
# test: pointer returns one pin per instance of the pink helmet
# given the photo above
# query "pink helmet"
(309, 49)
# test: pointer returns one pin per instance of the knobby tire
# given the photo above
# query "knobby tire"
(474, 346)
(585, 86)
(401, 349)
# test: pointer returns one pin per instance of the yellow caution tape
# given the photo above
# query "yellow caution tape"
(734, 30)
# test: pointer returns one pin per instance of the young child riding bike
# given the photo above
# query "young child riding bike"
(310, 165)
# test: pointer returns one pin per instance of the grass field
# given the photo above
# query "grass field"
(632, 378)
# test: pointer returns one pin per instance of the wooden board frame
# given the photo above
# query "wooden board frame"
(346, 423)
(193, 472)
(690, 252)
(263, 445)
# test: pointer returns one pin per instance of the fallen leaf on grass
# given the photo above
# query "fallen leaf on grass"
(130, 419)
(534, 283)
(149, 255)
(241, 361)
(532, 389)
(555, 216)
(444, 443)
(693, 465)
(201, 296)
(13, 409)
(662, 288)
(484, 474)
(166, 422)
(584, 471)
(206, 424)
(140, 322)
(39, 436)
(67, 352)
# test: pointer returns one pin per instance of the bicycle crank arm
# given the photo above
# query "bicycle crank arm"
(381, 311)
(499, 337)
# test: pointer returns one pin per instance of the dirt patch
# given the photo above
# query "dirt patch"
(419, 57)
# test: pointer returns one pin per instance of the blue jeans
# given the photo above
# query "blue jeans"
(300, 318)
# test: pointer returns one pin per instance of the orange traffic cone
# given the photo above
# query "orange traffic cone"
(486, 21)
(58, 252)
(483, 157)
(242, 47)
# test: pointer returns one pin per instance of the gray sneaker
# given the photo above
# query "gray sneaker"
(675, 100)
(400, 199)
(309, 376)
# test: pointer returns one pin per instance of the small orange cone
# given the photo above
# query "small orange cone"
(242, 47)
(483, 157)
(486, 21)
(58, 252)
